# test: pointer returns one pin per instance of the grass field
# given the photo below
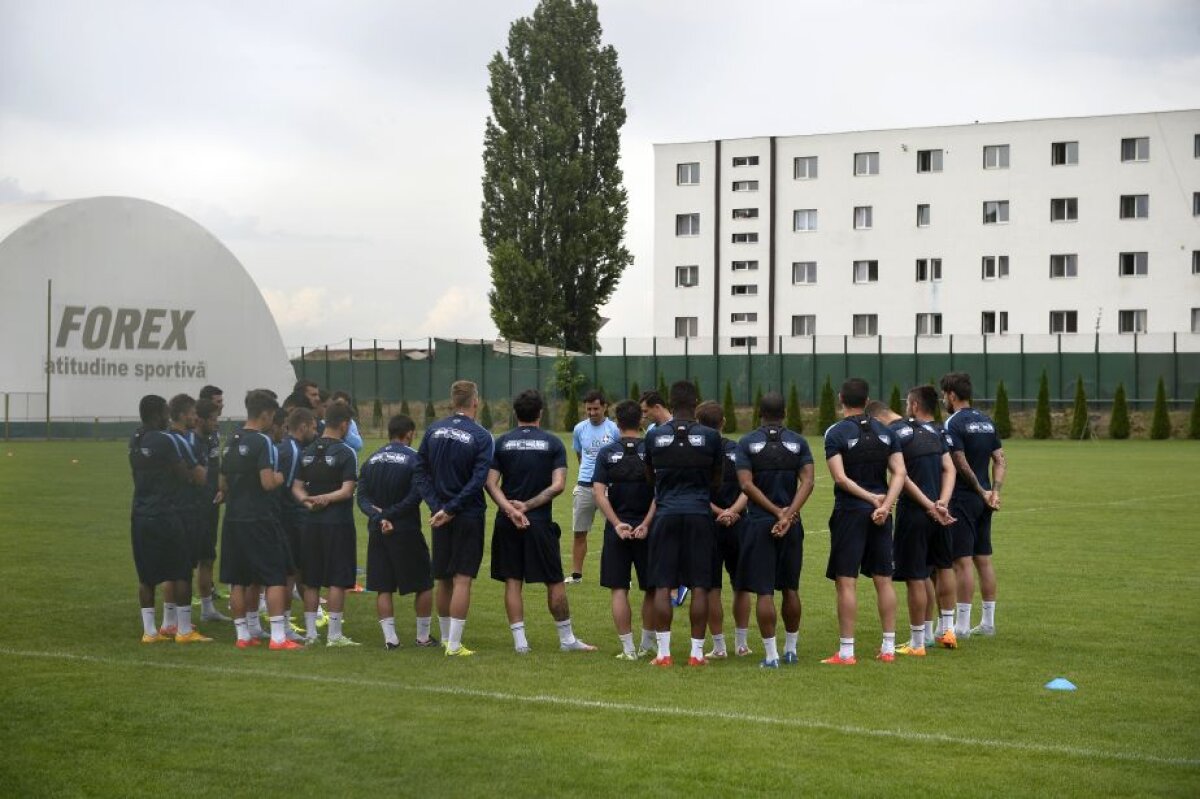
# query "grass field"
(1097, 548)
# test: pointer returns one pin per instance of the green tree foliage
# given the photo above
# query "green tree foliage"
(1194, 419)
(696, 385)
(827, 412)
(485, 417)
(1160, 424)
(895, 402)
(635, 391)
(1000, 414)
(793, 419)
(404, 409)
(1041, 416)
(1118, 426)
(430, 413)
(729, 410)
(554, 206)
(571, 410)
(663, 391)
(755, 416)
(1079, 414)
(377, 413)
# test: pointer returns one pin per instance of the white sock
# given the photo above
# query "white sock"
(183, 619)
(335, 626)
(918, 635)
(962, 622)
(989, 614)
(278, 629)
(423, 628)
(169, 618)
(889, 644)
(444, 626)
(566, 634)
(945, 621)
(770, 648)
(791, 641)
(664, 643)
(927, 628)
(254, 624)
(454, 639)
(739, 637)
(239, 626)
(310, 624)
(698, 648)
(627, 643)
(389, 630)
(846, 647)
(648, 639)
(148, 625)
(518, 634)
(262, 603)
(718, 642)
(206, 605)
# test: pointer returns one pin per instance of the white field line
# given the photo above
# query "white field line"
(627, 707)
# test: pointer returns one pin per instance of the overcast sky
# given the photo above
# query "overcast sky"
(335, 147)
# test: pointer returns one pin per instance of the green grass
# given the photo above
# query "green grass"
(1097, 549)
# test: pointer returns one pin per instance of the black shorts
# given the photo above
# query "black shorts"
(458, 547)
(972, 533)
(161, 549)
(914, 533)
(293, 536)
(767, 564)
(857, 544)
(328, 555)
(398, 562)
(681, 551)
(729, 542)
(253, 553)
(941, 547)
(531, 555)
(618, 556)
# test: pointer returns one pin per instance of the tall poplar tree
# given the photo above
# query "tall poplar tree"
(554, 205)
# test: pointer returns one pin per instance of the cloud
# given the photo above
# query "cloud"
(305, 308)
(11, 192)
(458, 313)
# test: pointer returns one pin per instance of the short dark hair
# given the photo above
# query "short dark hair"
(337, 413)
(710, 414)
(324, 395)
(683, 395)
(153, 409)
(297, 399)
(208, 392)
(206, 408)
(304, 383)
(528, 405)
(179, 405)
(259, 401)
(400, 425)
(855, 392)
(628, 415)
(299, 417)
(924, 397)
(340, 396)
(595, 395)
(280, 417)
(959, 383)
(651, 398)
(770, 407)
(876, 408)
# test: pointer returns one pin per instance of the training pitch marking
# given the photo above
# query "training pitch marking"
(626, 707)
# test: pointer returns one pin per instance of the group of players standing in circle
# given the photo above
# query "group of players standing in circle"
(680, 503)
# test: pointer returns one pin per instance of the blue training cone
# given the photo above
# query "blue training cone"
(1060, 684)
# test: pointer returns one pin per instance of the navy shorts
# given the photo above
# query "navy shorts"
(293, 536)
(621, 555)
(161, 549)
(729, 542)
(914, 532)
(972, 533)
(398, 562)
(458, 547)
(767, 564)
(328, 555)
(253, 552)
(681, 551)
(531, 555)
(858, 545)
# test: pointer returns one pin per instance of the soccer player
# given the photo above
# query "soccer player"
(214, 395)
(208, 414)
(397, 556)
(589, 437)
(775, 470)
(189, 504)
(452, 467)
(974, 446)
(654, 412)
(311, 391)
(161, 553)
(626, 498)
(328, 539)
(353, 439)
(529, 469)
(301, 429)
(253, 551)
(684, 461)
(860, 452)
(923, 512)
(728, 504)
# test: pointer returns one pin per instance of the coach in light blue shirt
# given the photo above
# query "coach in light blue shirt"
(589, 437)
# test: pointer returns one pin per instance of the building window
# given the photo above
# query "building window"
(995, 212)
(1196, 203)
(1131, 321)
(1064, 322)
(866, 271)
(804, 219)
(742, 318)
(1135, 206)
(1196, 262)
(687, 224)
(744, 341)
(745, 238)
(1196, 320)
(923, 215)
(805, 167)
(929, 324)
(804, 272)
(929, 160)
(866, 163)
(1064, 153)
(995, 156)
(806, 325)
(745, 266)
(929, 269)
(744, 289)
(1196, 149)
(1134, 264)
(1064, 265)
(687, 174)
(995, 266)
(745, 160)
(687, 276)
(1064, 209)
(745, 213)
(866, 324)
(687, 326)
(745, 185)
(994, 323)
(1135, 149)
(862, 217)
